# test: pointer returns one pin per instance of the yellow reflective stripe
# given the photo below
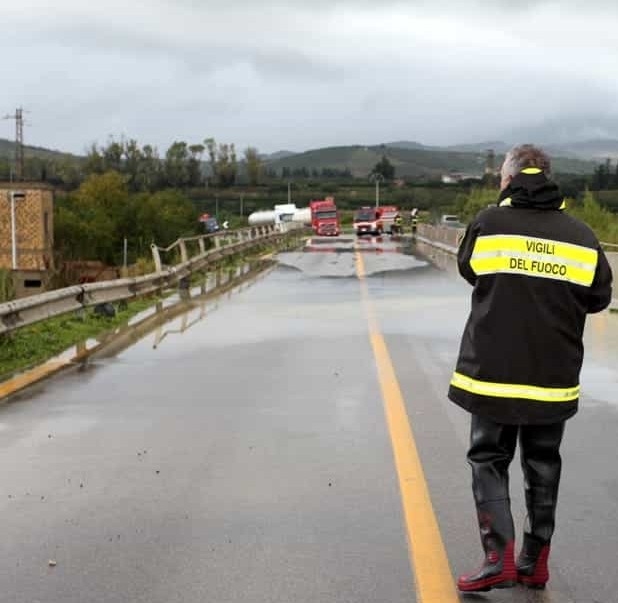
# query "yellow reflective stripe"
(531, 170)
(515, 390)
(531, 267)
(563, 205)
(536, 245)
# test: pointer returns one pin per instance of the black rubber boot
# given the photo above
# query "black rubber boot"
(498, 567)
(541, 464)
(532, 569)
(492, 447)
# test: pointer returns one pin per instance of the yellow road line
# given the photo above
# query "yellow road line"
(14, 384)
(434, 580)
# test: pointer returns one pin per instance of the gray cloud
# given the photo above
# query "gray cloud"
(299, 74)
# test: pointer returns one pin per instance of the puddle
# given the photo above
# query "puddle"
(336, 257)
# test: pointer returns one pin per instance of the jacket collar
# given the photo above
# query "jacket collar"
(531, 188)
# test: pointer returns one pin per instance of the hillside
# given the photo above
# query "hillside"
(411, 159)
(408, 162)
(7, 149)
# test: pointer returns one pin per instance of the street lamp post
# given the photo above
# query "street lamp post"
(378, 178)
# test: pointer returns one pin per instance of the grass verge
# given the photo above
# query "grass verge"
(36, 343)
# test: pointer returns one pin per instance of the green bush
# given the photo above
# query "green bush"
(7, 288)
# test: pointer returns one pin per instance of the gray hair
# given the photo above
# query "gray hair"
(525, 156)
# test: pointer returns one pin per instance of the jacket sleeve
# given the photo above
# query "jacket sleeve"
(464, 253)
(600, 294)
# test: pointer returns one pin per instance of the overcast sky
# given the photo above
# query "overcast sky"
(304, 74)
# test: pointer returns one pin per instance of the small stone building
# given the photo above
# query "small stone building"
(34, 234)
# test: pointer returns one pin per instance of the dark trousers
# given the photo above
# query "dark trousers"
(492, 447)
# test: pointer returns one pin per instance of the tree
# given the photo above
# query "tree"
(92, 222)
(254, 165)
(223, 163)
(177, 165)
(113, 155)
(131, 164)
(150, 174)
(478, 198)
(94, 163)
(163, 217)
(385, 168)
(602, 176)
(195, 164)
(211, 147)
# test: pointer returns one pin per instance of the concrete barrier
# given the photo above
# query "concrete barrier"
(443, 237)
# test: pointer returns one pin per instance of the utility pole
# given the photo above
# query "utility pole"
(289, 192)
(242, 213)
(19, 142)
(378, 178)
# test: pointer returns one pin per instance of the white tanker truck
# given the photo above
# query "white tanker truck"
(287, 212)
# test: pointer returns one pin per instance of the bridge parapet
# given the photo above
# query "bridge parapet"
(29, 310)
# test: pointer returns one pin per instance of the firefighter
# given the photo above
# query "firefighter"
(397, 225)
(536, 273)
(414, 219)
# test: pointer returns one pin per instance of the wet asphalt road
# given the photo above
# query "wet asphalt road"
(242, 455)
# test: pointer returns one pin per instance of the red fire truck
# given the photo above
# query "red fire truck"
(367, 221)
(325, 217)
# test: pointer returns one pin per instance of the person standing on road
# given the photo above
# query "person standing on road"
(536, 272)
(397, 227)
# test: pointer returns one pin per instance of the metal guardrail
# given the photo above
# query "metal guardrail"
(18, 313)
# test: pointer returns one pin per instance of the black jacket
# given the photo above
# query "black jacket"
(536, 273)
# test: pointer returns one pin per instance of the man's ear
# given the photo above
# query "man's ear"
(505, 181)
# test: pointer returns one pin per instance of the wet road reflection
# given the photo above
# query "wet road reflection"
(383, 255)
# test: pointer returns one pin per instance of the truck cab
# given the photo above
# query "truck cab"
(325, 217)
(367, 221)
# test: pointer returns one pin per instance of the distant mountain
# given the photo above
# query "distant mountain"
(582, 136)
(360, 160)
(599, 149)
(406, 144)
(498, 146)
(277, 155)
(596, 149)
(7, 149)
(429, 162)
(565, 131)
(411, 159)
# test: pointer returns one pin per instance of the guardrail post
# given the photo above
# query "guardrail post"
(183, 251)
(202, 245)
(156, 256)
